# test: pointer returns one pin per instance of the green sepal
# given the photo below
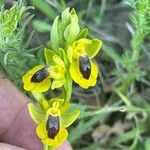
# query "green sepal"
(73, 29)
(66, 106)
(68, 118)
(54, 36)
(83, 33)
(52, 58)
(94, 47)
(48, 56)
(36, 114)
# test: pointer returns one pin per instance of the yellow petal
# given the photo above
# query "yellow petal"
(75, 72)
(41, 130)
(27, 77)
(42, 86)
(35, 87)
(58, 140)
(49, 142)
(61, 137)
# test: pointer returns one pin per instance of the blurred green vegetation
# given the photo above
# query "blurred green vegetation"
(115, 113)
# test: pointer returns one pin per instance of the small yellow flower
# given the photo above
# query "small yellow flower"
(39, 79)
(82, 69)
(53, 119)
(51, 132)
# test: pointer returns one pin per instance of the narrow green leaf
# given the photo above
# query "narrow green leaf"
(111, 53)
(54, 36)
(45, 8)
(41, 26)
(83, 127)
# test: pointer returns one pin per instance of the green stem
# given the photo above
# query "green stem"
(46, 147)
(68, 87)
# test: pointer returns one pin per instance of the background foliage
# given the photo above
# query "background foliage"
(115, 113)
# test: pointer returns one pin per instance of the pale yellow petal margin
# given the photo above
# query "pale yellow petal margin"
(78, 78)
(35, 87)
(57, 141)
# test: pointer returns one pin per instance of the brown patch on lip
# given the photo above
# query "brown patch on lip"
(85, 66)
(40, 75)
(52, 126)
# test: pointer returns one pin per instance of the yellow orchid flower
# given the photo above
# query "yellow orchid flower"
(82, 69)
(41, 78)
(52, 121)
(51, 132)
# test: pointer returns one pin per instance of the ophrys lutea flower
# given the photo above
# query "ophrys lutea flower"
(82, 69)
(43, 77)
(52, 120)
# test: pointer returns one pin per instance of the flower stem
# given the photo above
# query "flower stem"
(46, 147)
(68, 87)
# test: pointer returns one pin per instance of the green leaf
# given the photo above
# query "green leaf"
(147, 144)
(83, 33)
(112, 54)
(73, 29)
(83, 127)
(54, 36)
(68, 118)
(45, 8)
(36, 114)
(94, 48)
(41, 26)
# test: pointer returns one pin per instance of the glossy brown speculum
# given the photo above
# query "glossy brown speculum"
(52, 126)
(85, 66)
(40, 75)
